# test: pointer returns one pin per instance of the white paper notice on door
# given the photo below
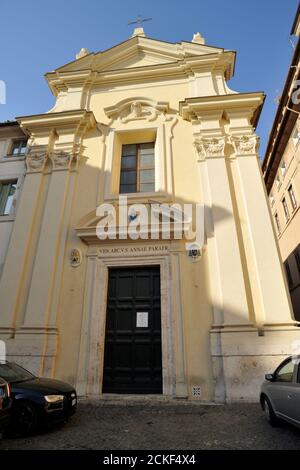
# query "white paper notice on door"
(142, 319)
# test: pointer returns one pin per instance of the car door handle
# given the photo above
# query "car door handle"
(290, 396)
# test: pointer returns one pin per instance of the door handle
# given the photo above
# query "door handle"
(290, 396)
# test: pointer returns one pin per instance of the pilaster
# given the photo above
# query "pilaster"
(16, 265)
(181, 386)
(64, 159)
(246, 270)
(39, 236)
(228, 291)
(270, 299)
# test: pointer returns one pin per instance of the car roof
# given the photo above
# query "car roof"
(295, 358)
(8, 363)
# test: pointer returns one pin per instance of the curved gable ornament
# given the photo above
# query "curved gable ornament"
(135, 109)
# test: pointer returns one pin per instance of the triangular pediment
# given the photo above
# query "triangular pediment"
(139, 52)
(137, 58)
(161, 219)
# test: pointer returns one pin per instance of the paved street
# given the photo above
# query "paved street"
(122, 424)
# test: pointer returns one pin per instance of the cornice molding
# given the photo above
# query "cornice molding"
(193, 109)
(72, 123)
(114, 54)
(180, 67)
(43, 123)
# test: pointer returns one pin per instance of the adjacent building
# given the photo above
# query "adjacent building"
(13, 146)
(155, 124)
(281, 169)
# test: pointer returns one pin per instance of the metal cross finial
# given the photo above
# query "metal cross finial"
(139, 20)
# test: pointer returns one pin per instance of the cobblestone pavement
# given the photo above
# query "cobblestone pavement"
(125, 424)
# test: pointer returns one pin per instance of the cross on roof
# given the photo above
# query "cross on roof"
(139, 20)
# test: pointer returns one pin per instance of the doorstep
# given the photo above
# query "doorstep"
(128, 399)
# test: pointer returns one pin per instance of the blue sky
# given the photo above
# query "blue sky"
(37, 36)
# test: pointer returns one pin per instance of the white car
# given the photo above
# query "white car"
(280, 393)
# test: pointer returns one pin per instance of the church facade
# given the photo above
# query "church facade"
(146, 123)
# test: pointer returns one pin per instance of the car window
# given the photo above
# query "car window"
(285, 372)
(298, 375)
(11, 372)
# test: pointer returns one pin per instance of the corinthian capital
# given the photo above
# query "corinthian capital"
(36, 160)
(210, 147)
(245, 144)
(61, 159)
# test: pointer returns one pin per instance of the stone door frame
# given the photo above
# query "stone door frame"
(91, 353)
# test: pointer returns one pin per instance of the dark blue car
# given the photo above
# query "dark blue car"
(36, 401)
(5, 406)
